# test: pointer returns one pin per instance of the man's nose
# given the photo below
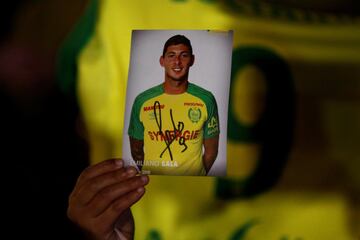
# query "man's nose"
(178, 59)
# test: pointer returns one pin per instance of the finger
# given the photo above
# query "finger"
(110, 194)
(112, 213)
(96, 170)
(89, 189)
(101, 168)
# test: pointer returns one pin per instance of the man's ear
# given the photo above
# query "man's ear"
(192, 60)
(161, 60)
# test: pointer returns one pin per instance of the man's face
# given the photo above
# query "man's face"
(177, 62)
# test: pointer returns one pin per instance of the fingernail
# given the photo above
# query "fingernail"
(119, 163)
(131, 171)
(140, 190)
(144, 179)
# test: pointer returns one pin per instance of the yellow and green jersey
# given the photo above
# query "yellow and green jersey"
(173, 127)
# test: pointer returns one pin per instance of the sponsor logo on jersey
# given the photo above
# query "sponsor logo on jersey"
(148, 108)
(194, 114)
(193, 104)
(213, 126)
(187, 135)
(151, 116)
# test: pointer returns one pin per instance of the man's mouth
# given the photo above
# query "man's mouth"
(177, 69)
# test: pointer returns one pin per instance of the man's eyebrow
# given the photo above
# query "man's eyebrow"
(174, 52)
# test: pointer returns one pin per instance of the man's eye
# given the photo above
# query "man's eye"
(185, 55)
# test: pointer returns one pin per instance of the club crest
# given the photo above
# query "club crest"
(194, 114)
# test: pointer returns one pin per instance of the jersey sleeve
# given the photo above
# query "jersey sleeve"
(212, 125)
(136, 127)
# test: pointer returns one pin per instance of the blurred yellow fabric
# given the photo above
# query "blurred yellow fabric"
(186, 207)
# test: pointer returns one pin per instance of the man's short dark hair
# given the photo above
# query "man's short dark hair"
(175, 40)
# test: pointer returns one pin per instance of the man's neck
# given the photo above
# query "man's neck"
(175, 87)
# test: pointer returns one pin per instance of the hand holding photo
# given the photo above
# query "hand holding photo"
(173, 119)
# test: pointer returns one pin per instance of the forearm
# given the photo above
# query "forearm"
(137, 151)
(210, 152)
(208, 160)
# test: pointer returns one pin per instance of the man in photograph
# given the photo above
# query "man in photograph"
(174, 126)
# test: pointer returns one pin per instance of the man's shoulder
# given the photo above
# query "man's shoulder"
(149, 93)
(201, 93)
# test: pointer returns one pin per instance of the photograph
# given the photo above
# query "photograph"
(177, 102)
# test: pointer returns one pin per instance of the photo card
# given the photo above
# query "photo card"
(177, 102)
